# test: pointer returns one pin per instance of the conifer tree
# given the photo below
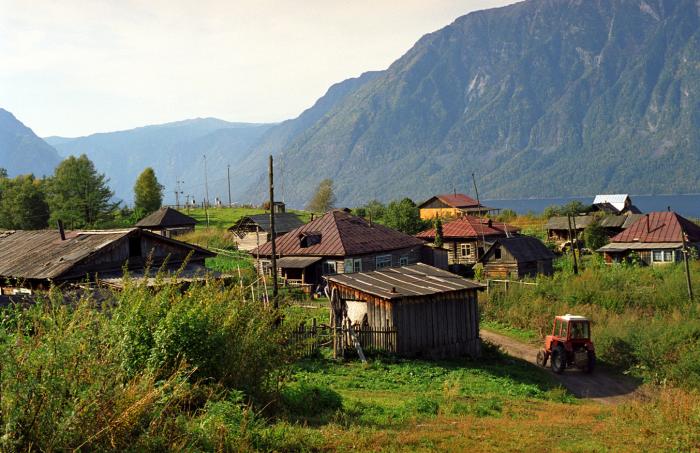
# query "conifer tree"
(148, 193)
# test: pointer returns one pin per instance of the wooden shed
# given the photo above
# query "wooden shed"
(435, 313)
(167, 222)
(517, 257)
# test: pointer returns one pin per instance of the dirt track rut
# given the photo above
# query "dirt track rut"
(599, 386)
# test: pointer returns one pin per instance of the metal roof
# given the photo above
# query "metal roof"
(342, 234)
(618, 200)
(470, 227)
(562, 222)
(455, 200)
(568, 317)
(284, 222)
(297, 262)
(659, 227)
(42, 254)
(626, 246)
(166, 217)
(408, 281)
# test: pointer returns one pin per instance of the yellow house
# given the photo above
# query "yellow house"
(452, 205)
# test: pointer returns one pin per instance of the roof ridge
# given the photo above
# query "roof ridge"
(337, 230)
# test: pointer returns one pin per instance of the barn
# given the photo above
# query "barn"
(435, 313)
(517, 257)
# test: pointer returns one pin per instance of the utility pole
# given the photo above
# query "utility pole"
(178, 192)
(483, 238)
(273, 236)
(187, 203)
(571, 242)
(206, 191)
(686, 251)
(228, 176)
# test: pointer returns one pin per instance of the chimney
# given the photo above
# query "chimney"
(61, 231)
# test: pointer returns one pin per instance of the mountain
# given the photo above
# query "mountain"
(174, 150)
(540, 98)
(21, 151)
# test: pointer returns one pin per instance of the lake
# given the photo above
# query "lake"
(685, 205)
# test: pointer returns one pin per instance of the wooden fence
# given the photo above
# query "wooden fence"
(312, 338)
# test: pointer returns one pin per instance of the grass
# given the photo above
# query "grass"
(524, 335)
(222, 218)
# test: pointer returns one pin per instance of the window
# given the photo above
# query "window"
(465, 250)
(497, 253)
(662, 256)
(329, 267)
(353, 265)
(382, 261)
(309, 238)
(134, 247)
(403, 261)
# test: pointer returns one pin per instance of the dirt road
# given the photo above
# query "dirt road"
(598, 386)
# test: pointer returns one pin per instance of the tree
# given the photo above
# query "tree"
(23, 204)
(404, 216)
(78, 195)
(438, 241)
(148, 193)
(594, 236)
(324, 198)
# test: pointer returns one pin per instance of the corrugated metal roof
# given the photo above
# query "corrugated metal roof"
(42, 254)
(407, 281)
(617, 200)
(470, 227)
(342, 234)
(523, 248)
(562, 222)
(659, 227)
(284, 222)
(458, 200)
(166, 218)
(625, 246)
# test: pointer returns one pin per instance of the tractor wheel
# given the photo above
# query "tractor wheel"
(559, 360)
(591, 363)
(542, 358)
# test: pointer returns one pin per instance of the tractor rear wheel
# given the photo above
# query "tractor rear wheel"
(542, 358)
(591, 363)
(559, 359)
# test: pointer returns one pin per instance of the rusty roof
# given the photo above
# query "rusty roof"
(342, 234)
(166, 217)
(470, 227)
(659, 227)
(407, 281)
(41, 254)
(455, 200)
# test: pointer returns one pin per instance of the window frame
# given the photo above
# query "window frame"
(465, 247)
(403, 260)
(327, 265)
(383, 259)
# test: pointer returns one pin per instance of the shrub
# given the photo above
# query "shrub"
(310, 400)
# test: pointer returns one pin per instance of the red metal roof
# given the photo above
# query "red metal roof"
(470, 227)
(342, 234)
(659, 227)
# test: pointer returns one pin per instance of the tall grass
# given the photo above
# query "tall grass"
(642, 319)
(142, 371)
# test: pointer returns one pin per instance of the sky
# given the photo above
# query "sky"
(76, 67)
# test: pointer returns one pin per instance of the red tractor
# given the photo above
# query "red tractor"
(569, 345)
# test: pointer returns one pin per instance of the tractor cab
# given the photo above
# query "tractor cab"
(569, 344)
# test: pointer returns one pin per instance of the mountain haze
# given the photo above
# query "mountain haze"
(540, 98)
(21, 151)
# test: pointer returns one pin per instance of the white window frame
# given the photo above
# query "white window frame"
(357, 265)
(328, 265)
(667, 256)
(382, 261)
(403, 261)
(353, 265)
(465, 248)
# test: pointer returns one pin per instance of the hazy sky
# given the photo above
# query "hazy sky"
(75, 67)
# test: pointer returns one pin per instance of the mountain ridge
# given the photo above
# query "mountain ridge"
(22, 151)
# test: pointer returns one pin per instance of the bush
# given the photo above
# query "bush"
(310, 400)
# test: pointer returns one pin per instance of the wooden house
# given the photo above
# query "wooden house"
(467, 238)
(615, 204)
(558, 228)
(254, 230)
(656, 238)
(337, 243)
(34, 259)
(452, 205)
(167, 222)
(517, 257)
(435, 313)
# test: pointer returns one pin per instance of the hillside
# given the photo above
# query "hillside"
(540, 98)
(21, 151)
(174, 150)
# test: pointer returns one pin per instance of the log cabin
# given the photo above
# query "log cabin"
(516, 258)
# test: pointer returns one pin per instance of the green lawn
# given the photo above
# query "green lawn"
(225, 217)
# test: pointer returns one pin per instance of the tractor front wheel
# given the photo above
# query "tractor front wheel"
(542, 358)
(559, 360)
(591, 363)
